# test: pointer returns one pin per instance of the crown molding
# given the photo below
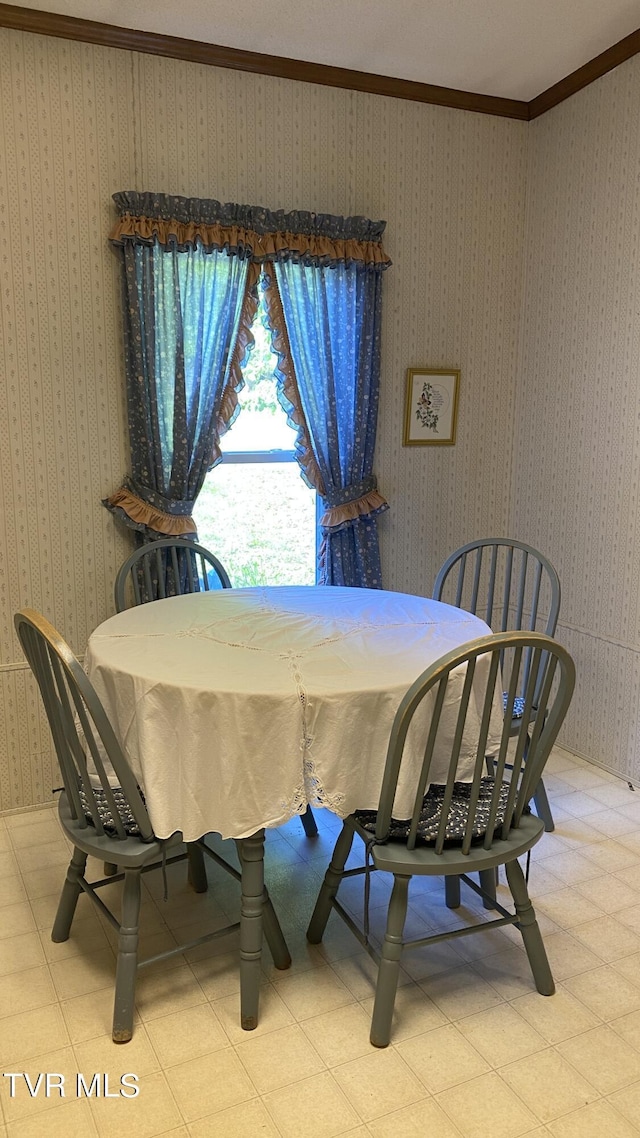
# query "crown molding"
(588, 73)
(213, 55)
(151, 43)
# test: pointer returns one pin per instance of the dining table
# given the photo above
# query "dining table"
(238, 707)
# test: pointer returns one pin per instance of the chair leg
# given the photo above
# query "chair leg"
(389, 967)
(528, 926)
(488, 882)
(309, 823)
(330, 885)
(543, 809)
(71, 890)
(197, 871)
(109, 868)
(274, 935)
(127, 966)
(252, 862)
(452, 891)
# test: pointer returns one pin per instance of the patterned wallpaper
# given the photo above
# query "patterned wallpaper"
(80, 121)
(576, 470)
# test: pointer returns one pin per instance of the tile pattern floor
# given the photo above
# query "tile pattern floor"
(475, 1050)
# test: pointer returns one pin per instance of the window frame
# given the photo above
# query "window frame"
(273, 455)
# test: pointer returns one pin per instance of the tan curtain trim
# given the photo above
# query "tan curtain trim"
(229, 401)
(364, 505)
(263, 246)
(141, 512)
(290, 386)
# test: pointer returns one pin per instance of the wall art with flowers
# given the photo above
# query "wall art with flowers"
(431, 406)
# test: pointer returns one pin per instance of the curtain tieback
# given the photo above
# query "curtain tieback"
(351, 502)
(143, 508)
(175, 507)
(343, 496)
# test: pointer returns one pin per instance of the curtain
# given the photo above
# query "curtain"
(332, 317)
(190, 270)
(182, 305)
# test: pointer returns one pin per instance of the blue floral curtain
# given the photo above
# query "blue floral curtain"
(190, 270)
(182, 307)
(332, 316)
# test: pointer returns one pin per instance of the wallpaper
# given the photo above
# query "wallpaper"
(576, 467)
(79, 122)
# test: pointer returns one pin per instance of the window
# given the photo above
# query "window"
(254, 510)
(189, 270)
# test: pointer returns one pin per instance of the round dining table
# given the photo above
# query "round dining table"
(237, 707)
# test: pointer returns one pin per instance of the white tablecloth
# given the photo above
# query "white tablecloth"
(236, 707)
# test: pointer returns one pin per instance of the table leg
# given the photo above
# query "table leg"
(251, 852)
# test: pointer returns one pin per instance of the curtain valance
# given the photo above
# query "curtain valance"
(249, 232)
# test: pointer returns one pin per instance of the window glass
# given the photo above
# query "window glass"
(259, 517)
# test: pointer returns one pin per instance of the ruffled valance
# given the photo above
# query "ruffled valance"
(250, 232)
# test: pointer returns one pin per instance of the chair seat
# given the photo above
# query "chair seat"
(394, 857)
(431, 814)
(129, 851)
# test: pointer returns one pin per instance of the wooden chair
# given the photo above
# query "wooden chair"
(103, 815)
(458, 828)
(168, 567)
(511, 586)
(171, 567)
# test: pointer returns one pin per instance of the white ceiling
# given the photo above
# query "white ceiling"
(512, 48)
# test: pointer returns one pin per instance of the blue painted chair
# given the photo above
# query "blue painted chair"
(511, 586)
(457, 828)
(103, 815)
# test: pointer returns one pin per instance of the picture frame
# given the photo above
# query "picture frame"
(431, 406)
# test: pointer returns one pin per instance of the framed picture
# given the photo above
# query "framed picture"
(431, 406)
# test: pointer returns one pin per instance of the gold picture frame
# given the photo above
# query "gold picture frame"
(431, 406)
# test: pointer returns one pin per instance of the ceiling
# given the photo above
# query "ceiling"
(511, 48)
